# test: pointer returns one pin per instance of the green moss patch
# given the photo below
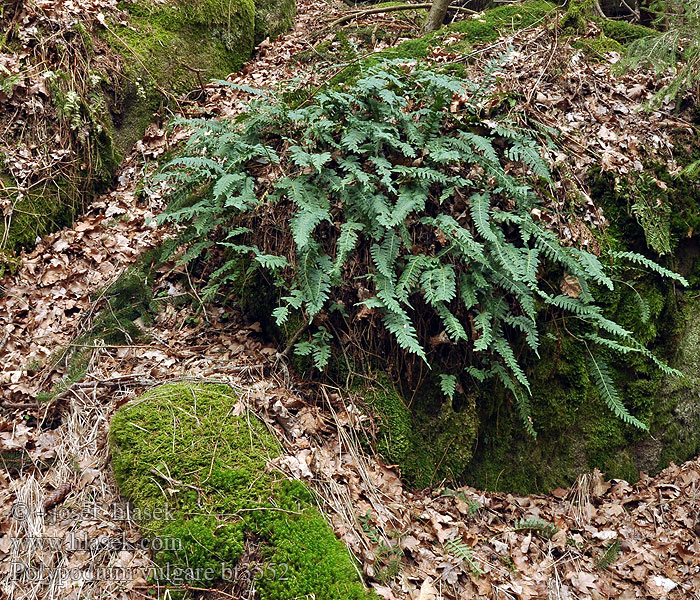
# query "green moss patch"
(621, 31)
(105, 85)
(191, 452)
(575, 432)
(461, 36)
(273, 17)
(598, 47)
(76, 124)
(430, 442)
(34, 216)
(176, 47)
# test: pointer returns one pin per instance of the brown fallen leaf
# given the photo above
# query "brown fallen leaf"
(58, 496)
(570, 286)
(427, 590)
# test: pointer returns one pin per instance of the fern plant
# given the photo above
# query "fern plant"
(675, 46)
(539, 526)
(396, 200)
(460, 549)
(611, 554)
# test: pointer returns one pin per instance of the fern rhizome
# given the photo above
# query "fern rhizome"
(398, 203)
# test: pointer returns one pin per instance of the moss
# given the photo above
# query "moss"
(273, 17)
(185, 452)
(426, 447)
(459, 37)
(175, 47)
(451, 437)
(178, 46)
(232, 22)
(575, 20)
(598, 47)
(677, 415)
(576, 431)
(34, 215)
(622, 31)
(614, 36)
(398, 439)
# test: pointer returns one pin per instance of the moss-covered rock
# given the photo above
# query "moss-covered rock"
(430, 442)
(622, 31)
(80, 164)
(577, 14)
(174, 47)
(273, 17)
(144, 58)
(192, 456)
(677, 417)
(460, 37)
(576, 431)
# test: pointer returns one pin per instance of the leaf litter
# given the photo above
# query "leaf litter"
(598, 539)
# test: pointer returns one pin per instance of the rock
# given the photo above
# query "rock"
(127, 66)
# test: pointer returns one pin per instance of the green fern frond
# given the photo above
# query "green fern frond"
(410, 276)
(439, 284)
(536, 525)
(611, 554)
(400, 326)
(480, 208)
(459, 549)
(448, 384)
(452, 325)
(649, 264)
(347, 241)
(482, 322)
(603, 382)
(314, 280)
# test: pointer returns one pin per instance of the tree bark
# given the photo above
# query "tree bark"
(436, 16)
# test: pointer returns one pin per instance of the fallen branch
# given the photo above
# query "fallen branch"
(397, 7)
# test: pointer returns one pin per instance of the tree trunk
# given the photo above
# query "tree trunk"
(436, 16)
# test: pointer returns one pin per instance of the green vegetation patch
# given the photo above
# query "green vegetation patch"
(376, 221)
(459, 37)
(622, 31)
(430, 441)
(176, 48)
(273, 17)
(574, 436)
(75, 123)
(192, 453)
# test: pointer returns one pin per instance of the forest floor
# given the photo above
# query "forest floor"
(598, 539)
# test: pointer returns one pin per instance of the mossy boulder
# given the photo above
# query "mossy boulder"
(576, 430)
(143, 58)
(677, 420)
(621, 31)
(430, 442)
(72, 135)
(273, 17)
(194, 457)
(459, 37)
(175, 47)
